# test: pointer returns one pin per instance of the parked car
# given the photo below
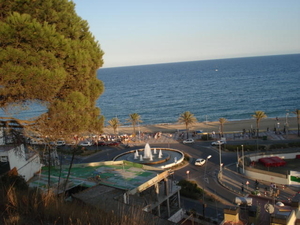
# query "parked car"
(188, 141)
(217, 143)
(37, 141)
(101, 143)
(113, 143)
(200, 162)
(85, 143)
(60, 143)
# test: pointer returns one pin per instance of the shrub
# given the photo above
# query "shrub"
(278, 146)
(190, 189)
(206, 137)
(294, 144)
(186, 157)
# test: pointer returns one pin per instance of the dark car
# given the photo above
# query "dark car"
(113, 144)
(100, 143)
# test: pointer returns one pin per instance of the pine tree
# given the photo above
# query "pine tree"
(49, 56)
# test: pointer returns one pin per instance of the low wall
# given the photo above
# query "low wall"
(266, 175)
(177, 216)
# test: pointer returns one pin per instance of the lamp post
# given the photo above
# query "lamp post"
(207, 158)
(243, 159)
(220, 156)
(170, 136)
(203, 209)
(188, 174)
(287, 124)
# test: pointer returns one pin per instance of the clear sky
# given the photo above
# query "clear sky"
(135, 32)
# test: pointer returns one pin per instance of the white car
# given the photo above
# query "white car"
(188, 141)
(200, 162)
(217, 143)
(37, 141)
(85, 143)
(60, 143)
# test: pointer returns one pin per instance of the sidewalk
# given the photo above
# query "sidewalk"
(230, 136)
(234, 181)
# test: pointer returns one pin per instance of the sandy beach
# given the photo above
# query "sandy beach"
(210, 126)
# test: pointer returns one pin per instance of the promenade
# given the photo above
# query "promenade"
(230, 136)
(234, 127)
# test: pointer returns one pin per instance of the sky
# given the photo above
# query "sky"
(138, 32)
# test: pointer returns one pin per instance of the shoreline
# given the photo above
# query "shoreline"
(210, 126)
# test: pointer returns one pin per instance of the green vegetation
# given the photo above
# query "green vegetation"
(259, 115)
(187, 118)
(48, 56)
(115, 124)
(222, 122)
(190, 189)
(134, 119)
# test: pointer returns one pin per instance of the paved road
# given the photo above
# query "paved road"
(225, 190)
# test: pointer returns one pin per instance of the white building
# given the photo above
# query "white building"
(26, 164)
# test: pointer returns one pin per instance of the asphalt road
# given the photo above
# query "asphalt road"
(205, 176)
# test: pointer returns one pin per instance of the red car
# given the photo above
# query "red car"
(113, 144)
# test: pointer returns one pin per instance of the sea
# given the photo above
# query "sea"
(230, 88)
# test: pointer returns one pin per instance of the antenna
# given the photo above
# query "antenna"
(269, 208)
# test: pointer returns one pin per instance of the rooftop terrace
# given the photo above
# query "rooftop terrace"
(118, 174)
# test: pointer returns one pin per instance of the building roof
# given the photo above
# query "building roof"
(119, 174)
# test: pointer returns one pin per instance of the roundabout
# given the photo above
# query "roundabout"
(157, 157)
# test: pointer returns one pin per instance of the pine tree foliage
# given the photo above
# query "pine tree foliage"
(48, 55)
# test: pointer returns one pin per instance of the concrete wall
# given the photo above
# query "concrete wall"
(177, 216)
(32, 166)
(275, 178)
(25, 167)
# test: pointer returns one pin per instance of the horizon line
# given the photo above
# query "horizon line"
(148, 64)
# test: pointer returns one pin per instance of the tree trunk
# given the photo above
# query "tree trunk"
(187, 131)
(69, 171)
(49, 165)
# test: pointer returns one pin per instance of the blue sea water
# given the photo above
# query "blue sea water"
(210, 89)
(230, 88)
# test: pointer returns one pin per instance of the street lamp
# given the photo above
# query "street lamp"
(220, 156)
(207, 158)
(203, 209)
(287, 124)
(243, 159)
(188, 174)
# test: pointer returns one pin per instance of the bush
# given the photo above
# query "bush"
(278, 146)
(190, 189)
(294, 144)
(186, 157)
(206, 137)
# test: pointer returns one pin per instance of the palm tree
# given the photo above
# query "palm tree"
(134, 119)
(297, 112)
(222, 121)
(259, 115)
(114, 123)
(187, 118)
